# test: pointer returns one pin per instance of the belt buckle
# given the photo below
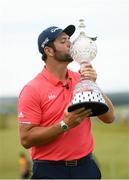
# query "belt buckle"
(71, 163)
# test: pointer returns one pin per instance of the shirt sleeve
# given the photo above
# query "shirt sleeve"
(29, 110)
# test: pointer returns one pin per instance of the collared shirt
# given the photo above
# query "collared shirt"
(42, 101)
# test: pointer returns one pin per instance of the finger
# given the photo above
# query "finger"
(77, 111)
(84, 113)
(90, 75)
(88, 65)
(88, 71)
(78, 120)
(88, 114)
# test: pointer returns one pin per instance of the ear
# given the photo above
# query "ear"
(48, 51)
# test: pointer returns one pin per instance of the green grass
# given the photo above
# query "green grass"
(9, 150)
(111, 149)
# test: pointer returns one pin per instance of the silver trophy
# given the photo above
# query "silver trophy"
(86, 92)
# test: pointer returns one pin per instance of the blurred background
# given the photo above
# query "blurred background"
(21, 21)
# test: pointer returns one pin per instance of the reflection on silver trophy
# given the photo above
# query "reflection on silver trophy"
(86, 92)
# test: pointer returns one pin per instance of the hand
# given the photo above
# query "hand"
(74, 118)
(88, 72)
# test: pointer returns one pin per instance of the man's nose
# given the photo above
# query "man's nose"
(68, 43)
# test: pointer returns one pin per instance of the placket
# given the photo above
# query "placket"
(67, 93)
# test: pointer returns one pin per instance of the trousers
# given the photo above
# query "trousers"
(84, 168)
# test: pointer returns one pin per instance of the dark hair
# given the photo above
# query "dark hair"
(50, 44)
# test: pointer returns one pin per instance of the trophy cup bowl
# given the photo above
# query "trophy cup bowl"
(86, 93)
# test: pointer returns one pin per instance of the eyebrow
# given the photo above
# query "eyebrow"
(64, 37)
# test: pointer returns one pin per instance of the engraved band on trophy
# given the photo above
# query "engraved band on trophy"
(86, 93)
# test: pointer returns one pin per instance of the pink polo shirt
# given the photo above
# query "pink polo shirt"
(42, 101)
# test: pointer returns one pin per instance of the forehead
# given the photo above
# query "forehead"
(62, 35)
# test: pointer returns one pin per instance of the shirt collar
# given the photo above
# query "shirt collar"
(51, 78)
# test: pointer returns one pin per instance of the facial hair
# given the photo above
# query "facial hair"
(63, 57)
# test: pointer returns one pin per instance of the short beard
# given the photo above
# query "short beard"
(60, 56)
(63, 57)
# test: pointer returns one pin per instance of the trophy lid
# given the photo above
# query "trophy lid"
(82, 26)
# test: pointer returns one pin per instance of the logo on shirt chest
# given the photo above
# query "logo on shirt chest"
(51, 96)
(21, 115)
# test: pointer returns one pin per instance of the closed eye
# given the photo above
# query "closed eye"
(65, 39)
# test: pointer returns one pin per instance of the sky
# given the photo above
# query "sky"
(21, 21)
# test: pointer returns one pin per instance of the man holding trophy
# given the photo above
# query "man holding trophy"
(54, 109)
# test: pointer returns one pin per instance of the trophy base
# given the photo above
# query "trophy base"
(98, 108)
